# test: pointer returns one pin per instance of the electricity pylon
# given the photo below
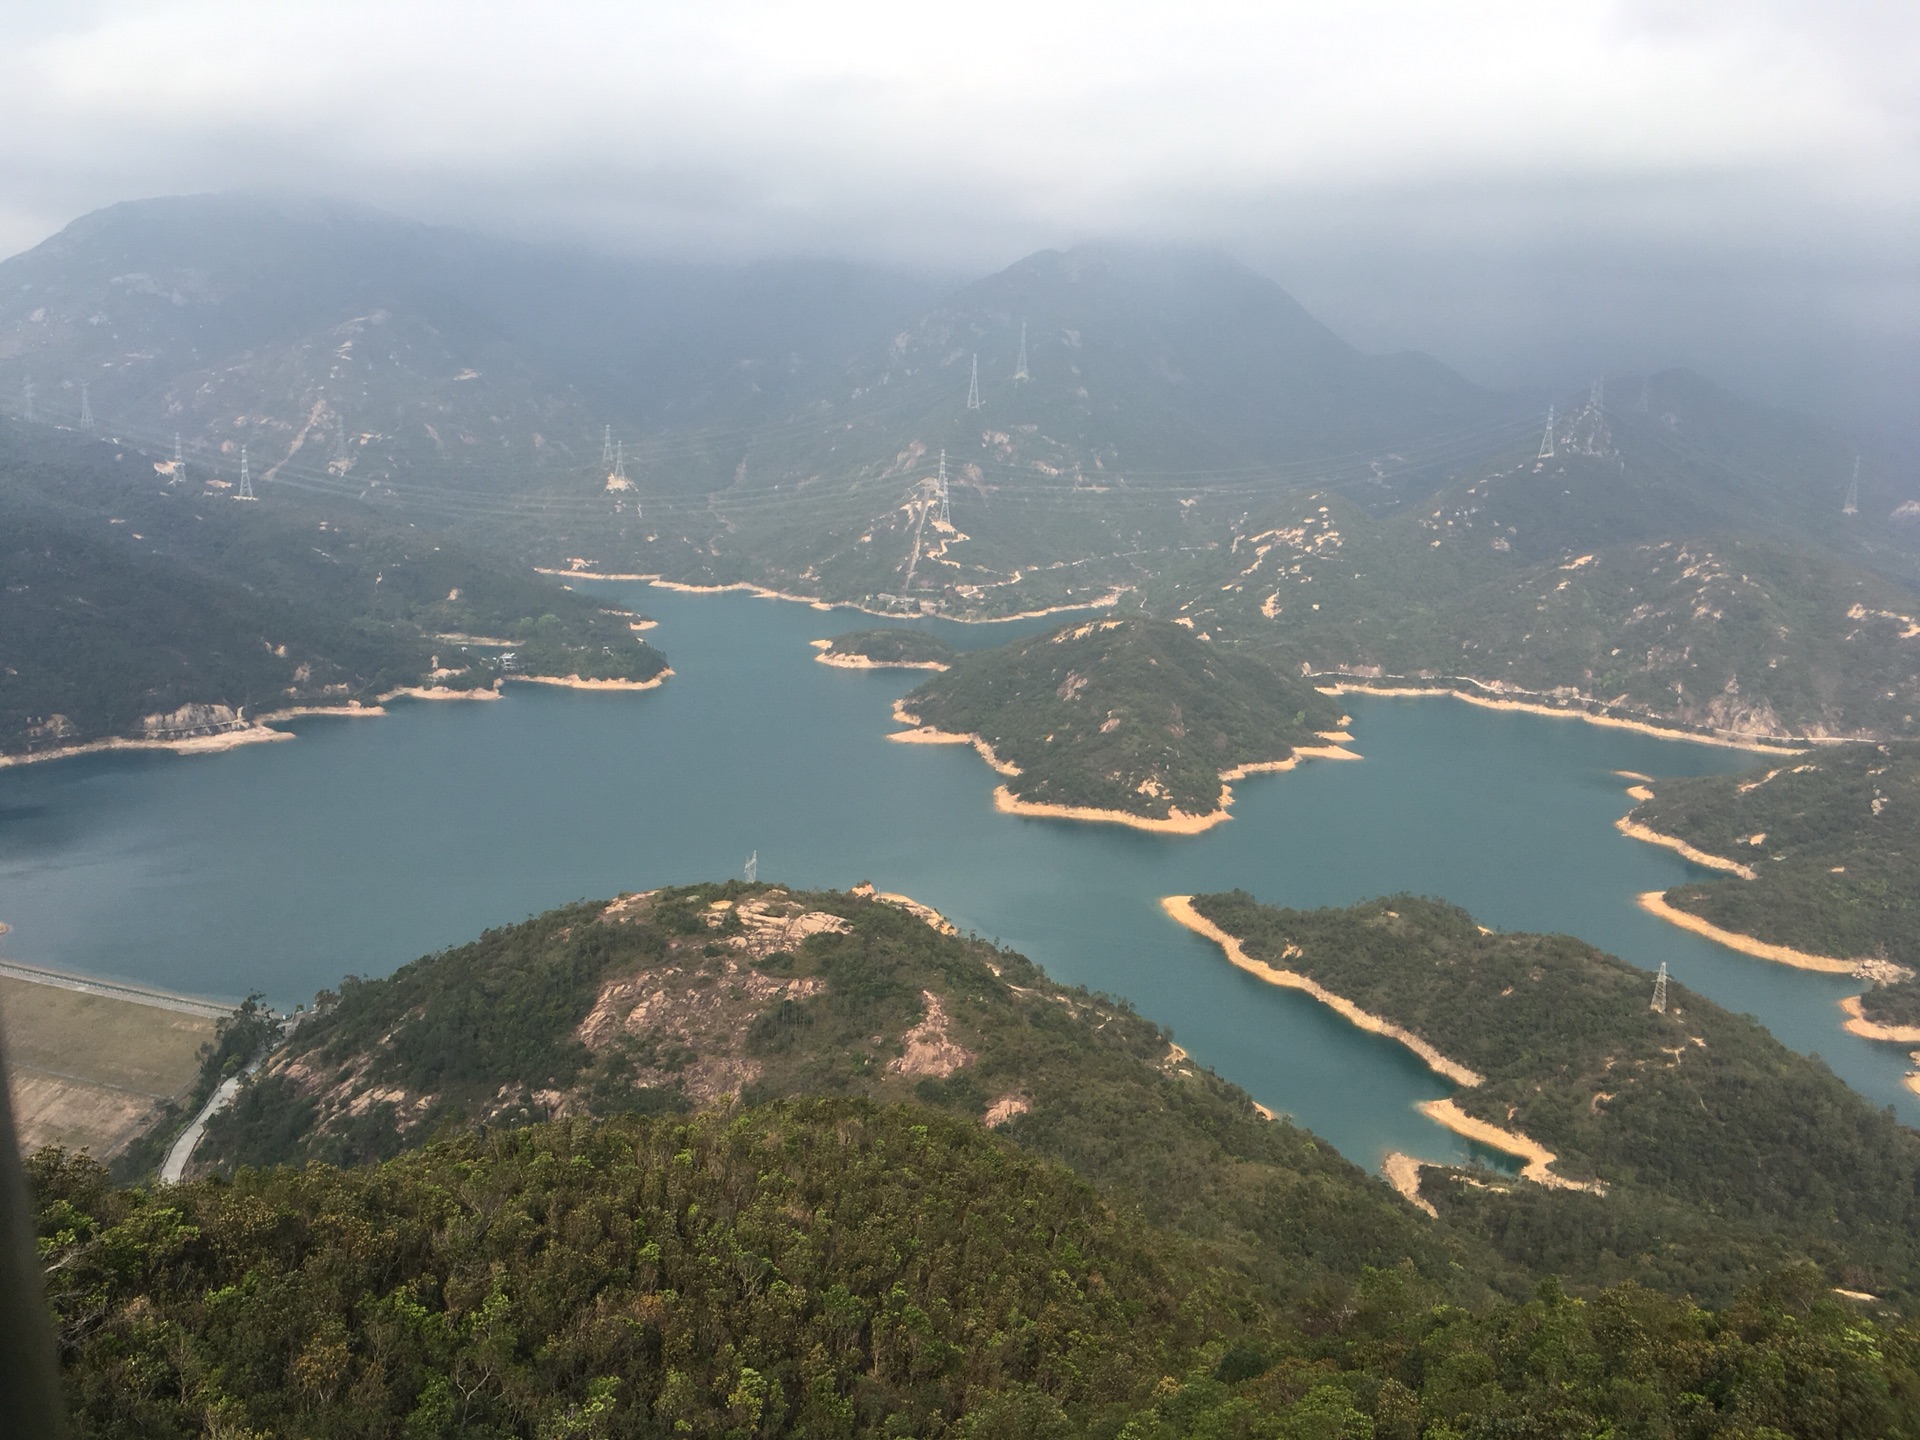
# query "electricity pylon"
(973, 386)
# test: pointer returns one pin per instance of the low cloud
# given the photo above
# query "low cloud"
(1518, 187)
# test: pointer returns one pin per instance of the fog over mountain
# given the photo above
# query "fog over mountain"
(1534, 194)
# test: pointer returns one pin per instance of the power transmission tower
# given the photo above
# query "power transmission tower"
(86, 408)
(1020, 365)
(620, 481)
(753, 868)
(339, 437)
(1546, 441)
(606, 446)
(945, 516)
(246, 480)
(973, 386)
(26, 395)
(1852, 507)
(1660, 990)
(179, 461)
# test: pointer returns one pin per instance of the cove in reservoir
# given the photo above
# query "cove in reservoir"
(283, 868)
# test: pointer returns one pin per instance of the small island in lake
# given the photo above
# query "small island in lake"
(887, 648)
(1130, 720)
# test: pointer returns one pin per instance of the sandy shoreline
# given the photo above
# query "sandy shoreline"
(260, 730)
(1403, 1174)
(864, 662)
(439, 692)
(928, 735)
(1654, 902)
(574, 682)
(1784, 745)
(1536, 1157)
(1178, 822)
(748, 587)
(1858, 1024)
(1628, 826)
(250, 734)
(1180, 908)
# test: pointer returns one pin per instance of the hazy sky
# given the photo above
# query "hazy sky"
(1527, 189)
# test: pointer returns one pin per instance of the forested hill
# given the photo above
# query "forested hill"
(674, 1001)
(829, 1268)
(1720, 1150)
(1832, 839)
(144, 603)
(1126, 715)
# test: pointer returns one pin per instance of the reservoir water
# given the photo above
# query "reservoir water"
(366, 842)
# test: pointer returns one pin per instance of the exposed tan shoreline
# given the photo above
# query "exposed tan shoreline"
(1177, 822)
(1180, 908)
(574, 682)
(1654, 902)
(1628, 826)
(440, 692)
(928, 735)
(260, 730)
(251, 734)
(1403, 1174)
(864, 662)
(1536, 1157)
(1784, 745)
(1858, 1024)
(748, 587)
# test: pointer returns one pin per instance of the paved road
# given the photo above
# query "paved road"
(117, 990)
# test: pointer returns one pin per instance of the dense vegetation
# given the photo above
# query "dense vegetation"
(1833, 838)
(1724, 1153)
(128, 597)
(893, 645)
(830, 1268)
(540, 1018)
(1128, 714)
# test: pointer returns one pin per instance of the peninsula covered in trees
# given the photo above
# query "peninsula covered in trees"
(1676, 1147)
(1122, 718)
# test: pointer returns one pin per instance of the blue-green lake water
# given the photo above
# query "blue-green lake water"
(366, 842)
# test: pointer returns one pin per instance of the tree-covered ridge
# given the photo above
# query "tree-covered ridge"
(890, 645)
(128, 597)
(1723, 1152)
(1833, 839)
(678, 1000)
(834, 1269)
(1127, 714)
